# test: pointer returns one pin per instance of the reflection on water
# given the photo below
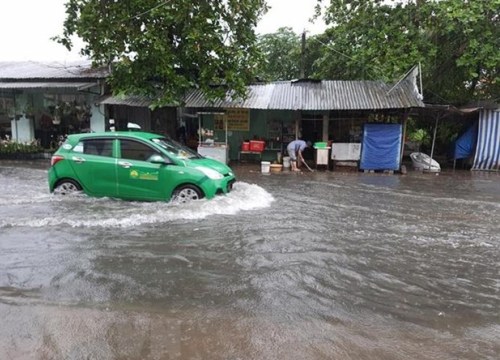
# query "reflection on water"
(288, 266)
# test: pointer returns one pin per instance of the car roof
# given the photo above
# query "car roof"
(130, 134)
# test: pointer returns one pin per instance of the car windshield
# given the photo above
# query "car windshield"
(177, 149)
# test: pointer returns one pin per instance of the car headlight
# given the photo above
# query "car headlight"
(212, 174)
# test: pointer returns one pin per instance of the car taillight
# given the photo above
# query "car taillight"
(55, 159)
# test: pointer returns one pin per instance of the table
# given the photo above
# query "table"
(218, 152)
(242, 152)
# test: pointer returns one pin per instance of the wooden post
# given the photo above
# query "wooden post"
(326, 121)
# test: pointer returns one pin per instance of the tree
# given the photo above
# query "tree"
(467, 36)
(369, 40)
(281, 55)
(456, 42)
(164, 48)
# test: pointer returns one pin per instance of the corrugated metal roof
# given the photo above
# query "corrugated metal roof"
(47, 85)
(258, 97)
(319, 95)
(281, 95)
(139, 101)
(29, 70)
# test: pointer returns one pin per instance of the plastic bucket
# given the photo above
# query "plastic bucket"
(320, 145)
(286, 162)
(276, 168)
(265, 167)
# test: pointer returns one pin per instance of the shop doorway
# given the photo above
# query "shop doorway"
(312, 130)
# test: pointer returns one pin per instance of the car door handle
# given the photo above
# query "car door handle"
(78, 159)
(124, 164)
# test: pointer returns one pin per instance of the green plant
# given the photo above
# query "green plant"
(418, 135)
(13, 147)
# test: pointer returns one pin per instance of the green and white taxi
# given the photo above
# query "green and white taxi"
(135, 165)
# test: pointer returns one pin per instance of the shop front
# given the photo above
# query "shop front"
(43, 102)
(27, 115)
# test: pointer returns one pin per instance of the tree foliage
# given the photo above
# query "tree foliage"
(283, 58)
(456, 42)
(163, 48)
(281, 55)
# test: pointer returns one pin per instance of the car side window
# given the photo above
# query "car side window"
(101, 147)
(135, 150)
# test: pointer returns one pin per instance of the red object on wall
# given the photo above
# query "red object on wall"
(245, 146)
(257, 145)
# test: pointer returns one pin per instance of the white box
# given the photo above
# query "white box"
(346, 151)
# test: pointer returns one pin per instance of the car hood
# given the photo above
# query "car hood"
(211, 163)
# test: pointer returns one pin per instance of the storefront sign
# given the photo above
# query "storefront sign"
(237, 120)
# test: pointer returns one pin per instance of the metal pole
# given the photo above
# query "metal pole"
(302, 56)
(17, 130)
(405, 118)
(282, 145)
(297, 125)
(420, 76)
(16, 120)
(199, 130)
(433, 141)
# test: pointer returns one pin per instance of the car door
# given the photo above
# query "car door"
(138, 178)
(94, 165)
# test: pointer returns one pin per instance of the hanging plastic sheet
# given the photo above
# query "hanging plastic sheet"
(488, 141)
(381, 147)
(465, 145)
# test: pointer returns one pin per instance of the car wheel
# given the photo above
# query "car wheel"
(186, 193)
(67, 187)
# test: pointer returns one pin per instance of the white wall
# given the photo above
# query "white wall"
(97, 120)
(23, 130)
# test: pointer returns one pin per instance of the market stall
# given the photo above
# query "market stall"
(207, 146)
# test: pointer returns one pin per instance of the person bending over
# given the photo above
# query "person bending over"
(295, 149)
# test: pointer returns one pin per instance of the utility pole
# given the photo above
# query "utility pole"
(303, 56)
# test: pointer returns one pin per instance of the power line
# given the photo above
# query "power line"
(344, 55)
(148, 11)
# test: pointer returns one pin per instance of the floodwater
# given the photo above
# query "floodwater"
(321, 265)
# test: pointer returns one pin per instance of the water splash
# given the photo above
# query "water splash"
(104, 212)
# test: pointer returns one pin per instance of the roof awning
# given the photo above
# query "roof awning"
(129, 100)
(46, 85)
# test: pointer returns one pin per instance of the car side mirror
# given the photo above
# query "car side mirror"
(158, 159)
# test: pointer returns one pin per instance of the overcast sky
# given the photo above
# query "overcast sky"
(26, 26)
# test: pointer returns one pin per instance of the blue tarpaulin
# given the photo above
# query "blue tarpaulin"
(381, 147)
(465, 145)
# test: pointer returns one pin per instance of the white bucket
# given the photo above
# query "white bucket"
(265, 167)
(286, 162)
